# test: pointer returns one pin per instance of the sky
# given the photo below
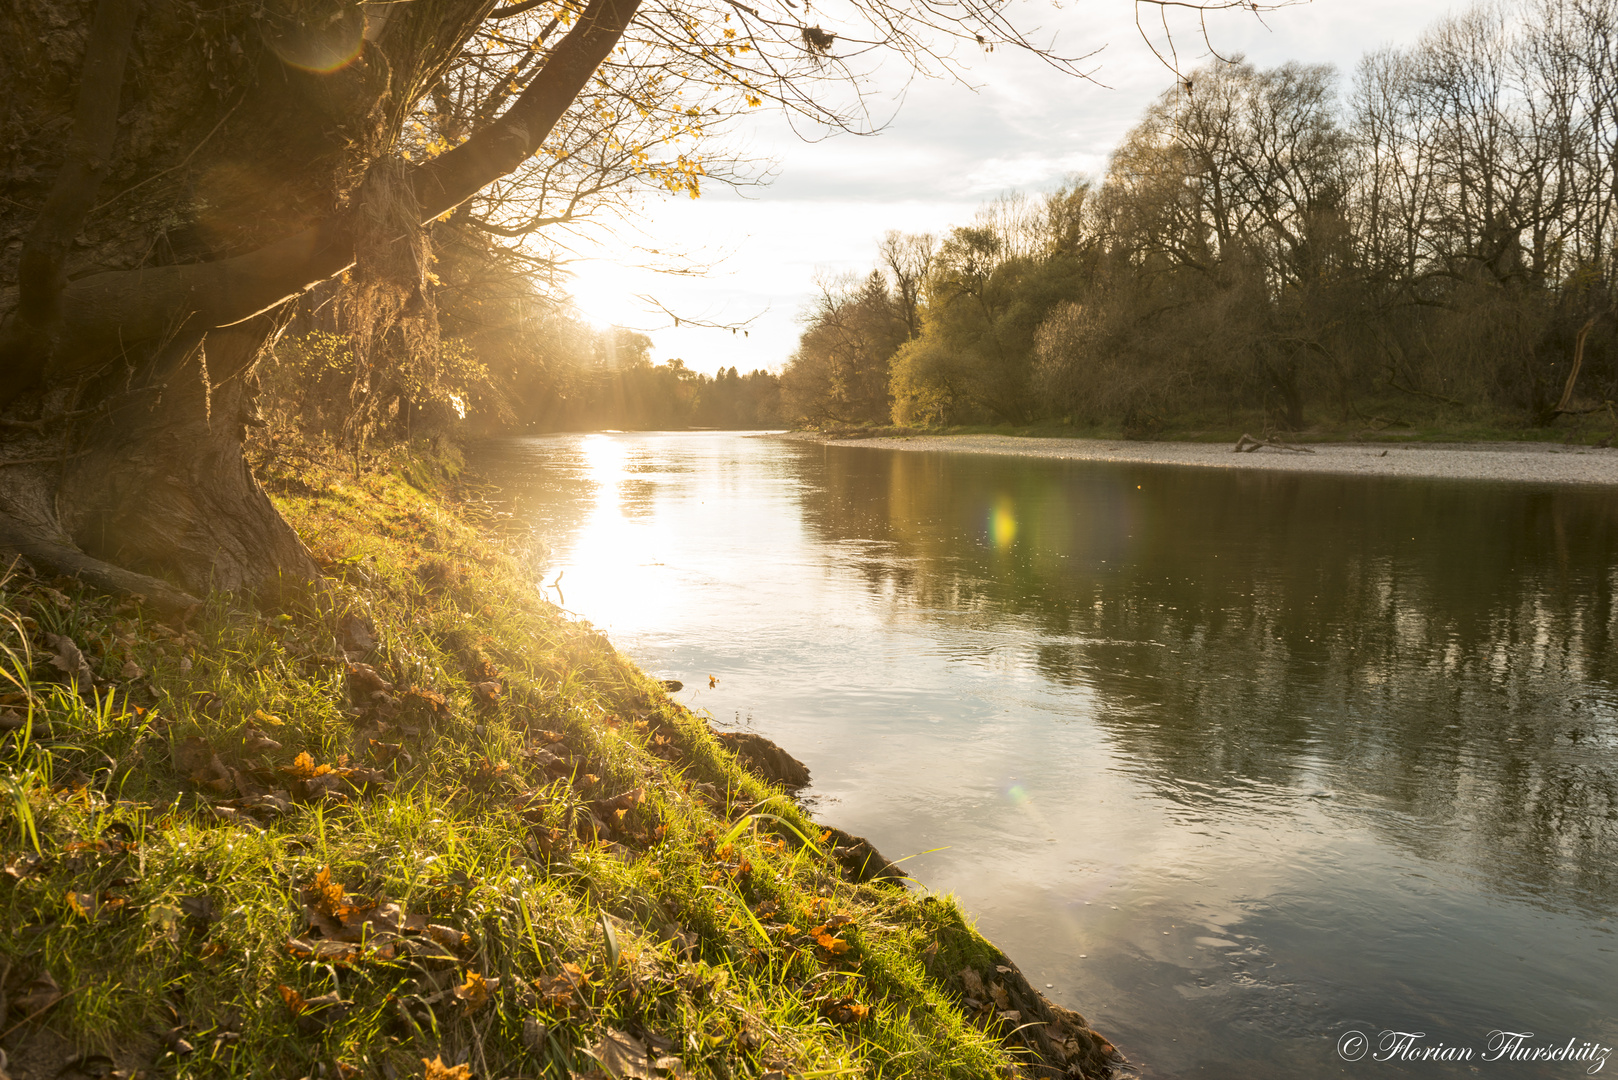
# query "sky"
(950, 147)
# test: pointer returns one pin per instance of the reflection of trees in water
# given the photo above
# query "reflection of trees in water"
(1438, 654)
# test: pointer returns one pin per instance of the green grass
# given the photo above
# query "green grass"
(529, 844)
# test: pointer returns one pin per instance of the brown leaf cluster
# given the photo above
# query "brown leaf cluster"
(343, 928)
(842, 1009)
(563, 992)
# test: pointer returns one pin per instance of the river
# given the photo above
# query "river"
(1236, 764)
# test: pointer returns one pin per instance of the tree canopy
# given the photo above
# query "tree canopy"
(1435, 237)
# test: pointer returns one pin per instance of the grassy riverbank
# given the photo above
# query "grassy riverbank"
(419, 823)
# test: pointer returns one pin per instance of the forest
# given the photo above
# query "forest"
(1429, 240)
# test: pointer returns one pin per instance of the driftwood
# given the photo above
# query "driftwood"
(1247, 444)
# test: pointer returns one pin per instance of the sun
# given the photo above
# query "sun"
(605, 293)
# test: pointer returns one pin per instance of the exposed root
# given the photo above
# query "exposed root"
(57, 558)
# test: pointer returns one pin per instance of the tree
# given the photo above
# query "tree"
(182, 170)
(989, 287)
(839, 373)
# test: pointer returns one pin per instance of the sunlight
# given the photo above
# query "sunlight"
(613, 571)
(604, 293)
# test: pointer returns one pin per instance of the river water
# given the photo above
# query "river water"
(1235, 763)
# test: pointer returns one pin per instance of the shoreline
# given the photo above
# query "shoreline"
(1525, 463)
(391, 772)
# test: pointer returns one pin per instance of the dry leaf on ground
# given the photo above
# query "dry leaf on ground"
(66, 657)
(437, 1070)
(622, 1055)
(476, 990)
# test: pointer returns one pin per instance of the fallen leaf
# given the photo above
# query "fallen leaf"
(385, 751)
(558, 990)
(843, 1010)
(323, 951)
(363, 681)
(304, 768)
(476, 990)
(447, 936)
(198, 908)
(437, 1070)
(132, 670)
(67, 658)
(24, 865)
(293, 999)
(998, 993)
(164, 919)
(38, 995)
(622, 1055)
(324, 894)
(255, 741)
(354, 635)
(487, 693)
(533, 1035)
(973, 984)
(191, 755)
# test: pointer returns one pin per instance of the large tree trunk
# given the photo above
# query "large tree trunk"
(150, 479)
(167, 216)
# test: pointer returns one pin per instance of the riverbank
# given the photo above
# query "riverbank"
(1533, 463)
(423, 823)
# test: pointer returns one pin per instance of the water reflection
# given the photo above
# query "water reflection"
(1234, 761)
(1443, 651)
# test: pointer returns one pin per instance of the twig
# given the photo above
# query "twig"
(37, 1013)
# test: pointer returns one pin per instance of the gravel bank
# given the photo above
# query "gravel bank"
(1532, 463)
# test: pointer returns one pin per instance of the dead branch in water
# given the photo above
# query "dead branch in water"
(1247, 444)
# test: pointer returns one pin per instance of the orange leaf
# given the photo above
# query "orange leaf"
(325, 895)
(293, 999)
(476, 991)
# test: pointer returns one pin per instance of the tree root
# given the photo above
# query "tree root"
(57, 558)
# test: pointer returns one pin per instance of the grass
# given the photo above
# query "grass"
(420, 824)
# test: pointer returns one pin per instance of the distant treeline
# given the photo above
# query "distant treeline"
(618, 386)
(1439, 239)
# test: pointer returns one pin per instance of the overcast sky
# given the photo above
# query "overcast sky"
(948, 149)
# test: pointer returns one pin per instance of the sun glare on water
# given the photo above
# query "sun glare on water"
(614, 576)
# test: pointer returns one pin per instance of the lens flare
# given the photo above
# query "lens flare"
(323, 48)
(1002, 524)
